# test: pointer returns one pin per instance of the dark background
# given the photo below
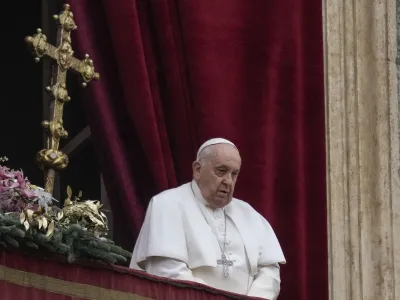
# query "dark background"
(22, 103)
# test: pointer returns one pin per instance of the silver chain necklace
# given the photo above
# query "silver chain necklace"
(223, 261)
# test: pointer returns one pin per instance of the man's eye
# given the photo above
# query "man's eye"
(221, 172)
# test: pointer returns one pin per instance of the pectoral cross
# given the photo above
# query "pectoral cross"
(50, 158)
(226, 263)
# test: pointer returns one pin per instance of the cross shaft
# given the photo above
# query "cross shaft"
(50, 158)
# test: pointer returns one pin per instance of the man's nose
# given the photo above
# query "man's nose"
(228, 180)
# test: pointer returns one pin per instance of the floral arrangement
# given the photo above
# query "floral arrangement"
(29, 217)
(16, 192)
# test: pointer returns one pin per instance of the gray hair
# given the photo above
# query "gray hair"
(205, 154)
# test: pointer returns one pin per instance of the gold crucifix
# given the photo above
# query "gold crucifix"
(51, 158)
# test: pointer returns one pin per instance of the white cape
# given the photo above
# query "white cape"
(174, 227)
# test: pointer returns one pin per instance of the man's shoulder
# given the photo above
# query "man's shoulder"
(248, 212)
(243, 206)
(173, 195)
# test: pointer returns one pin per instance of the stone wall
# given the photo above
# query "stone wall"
(362, 114)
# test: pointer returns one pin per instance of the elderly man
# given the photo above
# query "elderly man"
(199, 232)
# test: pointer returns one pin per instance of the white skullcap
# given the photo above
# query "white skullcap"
(214, 141)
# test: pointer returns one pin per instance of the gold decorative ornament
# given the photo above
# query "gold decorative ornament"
(59, 91)
(76, 211)
(51, 158)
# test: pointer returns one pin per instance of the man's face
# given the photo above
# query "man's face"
(217, 173)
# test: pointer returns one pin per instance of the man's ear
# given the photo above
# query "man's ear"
(196, 166)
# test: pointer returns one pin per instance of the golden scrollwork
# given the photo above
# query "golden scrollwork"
(38, 44)
(65, 54)
(66, 19)
(52, 159)
(59, 91)
(86, 69)
(56, 129)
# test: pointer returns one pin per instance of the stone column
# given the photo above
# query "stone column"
(362, 114)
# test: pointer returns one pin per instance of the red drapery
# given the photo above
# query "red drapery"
(177, 72)
(27, 277)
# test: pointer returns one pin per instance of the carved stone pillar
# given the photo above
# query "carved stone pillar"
(363, 149)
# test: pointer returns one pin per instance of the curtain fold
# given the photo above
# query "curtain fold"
(177, 72)
(24, 276)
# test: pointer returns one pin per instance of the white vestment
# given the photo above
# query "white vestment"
(182, 239)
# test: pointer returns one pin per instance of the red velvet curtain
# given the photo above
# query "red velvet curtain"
(177, 72)
(24, 276)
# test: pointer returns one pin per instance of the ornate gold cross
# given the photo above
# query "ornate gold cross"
(50, 158)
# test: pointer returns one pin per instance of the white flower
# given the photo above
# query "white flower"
(44, 198)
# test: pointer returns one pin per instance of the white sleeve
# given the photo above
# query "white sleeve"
(170, 268)
(267, 283)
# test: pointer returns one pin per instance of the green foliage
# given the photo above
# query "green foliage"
(72, 241)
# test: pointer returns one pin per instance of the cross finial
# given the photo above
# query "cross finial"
(50, 158)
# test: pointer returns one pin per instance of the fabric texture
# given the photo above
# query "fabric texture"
(23, 276)
(175, 227)
(170, 268)
(178, 226)
(175, 73)
(271, 290)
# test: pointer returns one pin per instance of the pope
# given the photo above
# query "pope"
(199, 232)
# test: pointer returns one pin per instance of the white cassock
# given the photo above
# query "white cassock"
(182, 238)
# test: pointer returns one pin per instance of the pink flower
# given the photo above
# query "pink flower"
(21, 181)
(9, 183)
(4, 173)
(16, 192)
(27, 193)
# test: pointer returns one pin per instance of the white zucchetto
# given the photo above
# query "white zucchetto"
(214, 141)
